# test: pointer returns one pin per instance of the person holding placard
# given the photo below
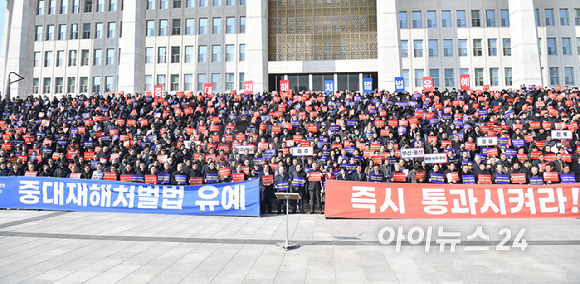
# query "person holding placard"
(550, 175)
(298, 186)
(179, 177)
(211, 174)
(359, 175)
(267, 188)
(87, 173)
(315, 188)
(281, 185)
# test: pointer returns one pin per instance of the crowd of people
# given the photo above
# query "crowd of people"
(297, 141)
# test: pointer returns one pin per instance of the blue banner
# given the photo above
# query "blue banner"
(437, 178)
(238, 199)
(502, 179)
(399, 84)
(212, 178)
(519, 142)
(376, 178)
(468, 179)
(536, 181)
(328, 87)
(367, 85)
(298, 182)
(282, 186)
(569, 178)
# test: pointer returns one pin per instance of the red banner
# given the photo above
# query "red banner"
(285, 88)
(428, 84)
(346, 199)
(248, 87)
(464, 81)
(158, 91)
(208, 88)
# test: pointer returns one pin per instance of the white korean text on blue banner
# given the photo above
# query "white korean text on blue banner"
(237, 199)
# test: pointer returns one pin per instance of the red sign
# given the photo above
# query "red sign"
(346, 199)
(195, 181)
(126, 178)
(284, 87)
(551, 176)
(208, 88)
(158, 91)
(484, 179)
(465, 81)
(110, 176)
(225, 172)
(518, 178)
(248, 87)
(428, 84)
(314, 176)
(399, 177)
(238, 177)
(267, 180)
(151, 179)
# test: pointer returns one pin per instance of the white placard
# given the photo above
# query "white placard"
(435, 158)
(412, 153)
(302, 151)
(561, 134)
(242, 148)
(486, 141)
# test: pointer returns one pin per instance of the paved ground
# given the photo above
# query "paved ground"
(75, 247)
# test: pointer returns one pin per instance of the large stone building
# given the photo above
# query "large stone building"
(86, 46)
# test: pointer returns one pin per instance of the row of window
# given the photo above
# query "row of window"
(176, 26)
(202, 78)
(58, 87)
(174, 83)
(448, 49)
(97, 58)
(49, 7)
(492, 47)
(73, 6)
(552, 46)
(189, 56)
(97, 31)
(549, 17)
(87, 32)
(478, 76)
(164, 4)
(417, 19)
(59, 61)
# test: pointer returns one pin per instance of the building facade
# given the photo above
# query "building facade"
(87, 46)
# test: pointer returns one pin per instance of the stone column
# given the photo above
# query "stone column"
(388, 40)
(524, 39)
(257, 44)
(132, 44)
(18, 46)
